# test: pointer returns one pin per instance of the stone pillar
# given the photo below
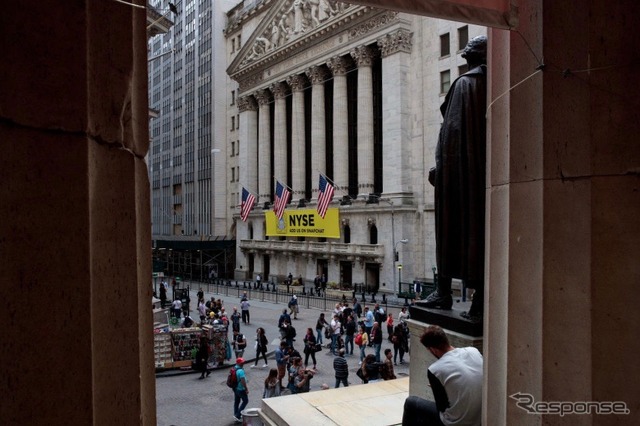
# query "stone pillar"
(76, 224)
(297, 83)
(280, 159)
(248, 140)
(395, 49)
(317, 75)
(264, 146)
(363, 55)
(563, 211)
(338, 66)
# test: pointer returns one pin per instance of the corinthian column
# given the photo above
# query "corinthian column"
(363, 55)
(263, 163)
(338, 66)
(297, 84)
(317, 76)
(279, 91)
(248, 108)
(395, 49)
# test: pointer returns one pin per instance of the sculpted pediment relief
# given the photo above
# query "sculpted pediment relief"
(295, 19)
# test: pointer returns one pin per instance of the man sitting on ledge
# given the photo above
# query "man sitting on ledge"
(456, 381)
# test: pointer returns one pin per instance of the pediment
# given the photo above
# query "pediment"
(291, 26)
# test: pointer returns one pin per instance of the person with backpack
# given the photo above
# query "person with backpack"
(237, 380)
(239, 343)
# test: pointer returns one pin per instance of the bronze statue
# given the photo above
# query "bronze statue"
(459, 181)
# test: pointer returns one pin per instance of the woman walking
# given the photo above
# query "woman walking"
(261, 347)
(309, 348)
(362, 339)
(320, 324)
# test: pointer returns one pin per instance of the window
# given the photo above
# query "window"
(238, 121)
(233, 148)
(233, 123)
(238, 148)
(233, 97)
(445, 81)
(233, 174)
(445, 48)
(463, 37)
(239, 41)
(233, 45)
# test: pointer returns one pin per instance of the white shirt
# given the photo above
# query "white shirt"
(460, 373)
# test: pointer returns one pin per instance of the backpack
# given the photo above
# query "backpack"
(359, 340)
(232, 378)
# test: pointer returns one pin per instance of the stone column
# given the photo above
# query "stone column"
(395, 49)
(264, 145)
(297, 84)
(75, 204)
(280, 159)
(363, 55)
(338, 66)
(317, 75)
(248, 140)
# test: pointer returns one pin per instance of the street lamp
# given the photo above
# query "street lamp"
(395, 259)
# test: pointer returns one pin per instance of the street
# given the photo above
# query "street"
(184, 400)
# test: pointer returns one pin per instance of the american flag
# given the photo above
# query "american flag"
(248, 200)
(282, 198)
(325, 196)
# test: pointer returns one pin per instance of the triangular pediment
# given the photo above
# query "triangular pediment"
(289, 26)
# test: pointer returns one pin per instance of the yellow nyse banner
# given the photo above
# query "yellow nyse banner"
(303, 223)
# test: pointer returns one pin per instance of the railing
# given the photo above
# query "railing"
(340, 250)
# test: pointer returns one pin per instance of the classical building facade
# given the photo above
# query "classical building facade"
(352, 92)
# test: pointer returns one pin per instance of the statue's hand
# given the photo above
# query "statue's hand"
(432, 176)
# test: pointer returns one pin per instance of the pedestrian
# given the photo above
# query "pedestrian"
(320, 324)
(235, 320)
(202, 358)
(310, 348)
(243, 297)
(368, 320)
(289, 334)
(357, 308)
(261, 347)
(200, 295)
(349, 331)
(398, 339)
(362, 340)
(293, 305)
(403, 316)
(284, 318)
(376, 339)
(241, 391)
(302, 383)
(244, 307)
(239, 343)
(335, 333)
(176, 308)
(163, 295)
(259, 281)
(371, 369)
(456, 381)
(202, 310)
(271, 385)
(387, 369)
(390, 325)
(281, 361)
(341, 369)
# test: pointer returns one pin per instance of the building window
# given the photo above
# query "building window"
(445, 81)
(233, 45)
(233, 97)
(238, 148)
(238, 121)
(463, 37)
(233, 174)
(233, 148)
(233, 123)
(445, 48)
(239, 41)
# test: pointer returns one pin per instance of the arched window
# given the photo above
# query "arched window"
(373, 234)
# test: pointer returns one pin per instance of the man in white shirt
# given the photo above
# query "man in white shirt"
(456, 381)
(176, 307)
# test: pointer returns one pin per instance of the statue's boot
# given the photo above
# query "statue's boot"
(437, 301)
(476, 311)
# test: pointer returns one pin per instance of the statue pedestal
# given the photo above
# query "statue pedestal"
(461, 333)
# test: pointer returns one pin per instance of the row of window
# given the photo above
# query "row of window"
(445, 41)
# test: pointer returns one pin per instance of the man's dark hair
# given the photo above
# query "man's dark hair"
(434, 337)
